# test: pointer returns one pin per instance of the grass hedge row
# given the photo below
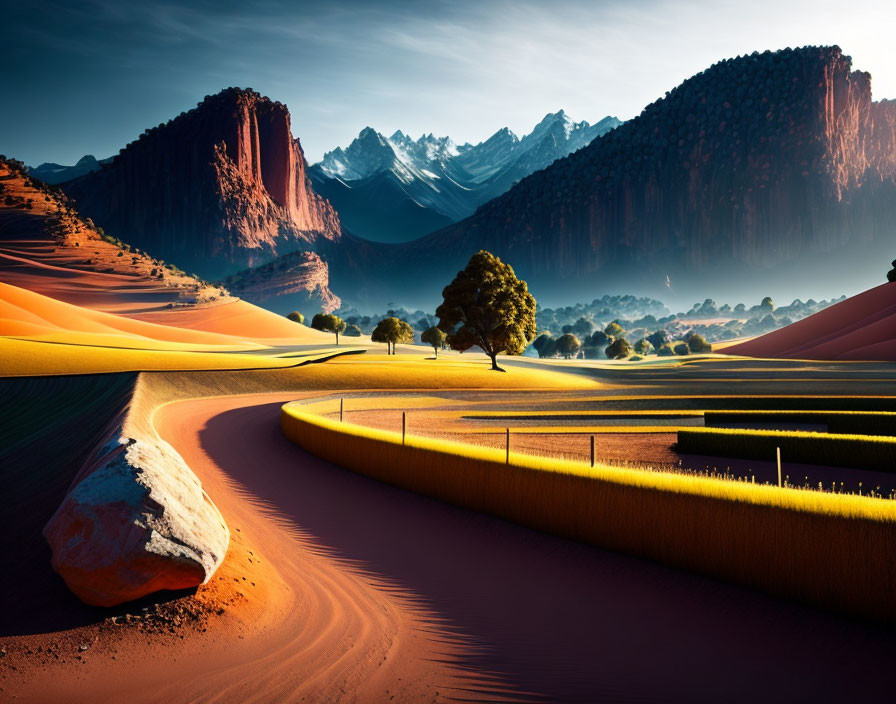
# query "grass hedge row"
(855, 451)
(840, 422)
(829, 550)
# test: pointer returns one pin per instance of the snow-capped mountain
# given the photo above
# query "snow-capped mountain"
(396, 188)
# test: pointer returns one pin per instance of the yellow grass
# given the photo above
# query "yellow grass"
(857, 451)
(830, 550)
(29, 358)
(412, 372)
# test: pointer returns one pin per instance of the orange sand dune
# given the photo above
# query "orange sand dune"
(860, 328)
(27, 313)
(49, 250)
(351, 590)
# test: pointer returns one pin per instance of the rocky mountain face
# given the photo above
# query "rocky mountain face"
(776, 165)
(394, 189)
(215, 190)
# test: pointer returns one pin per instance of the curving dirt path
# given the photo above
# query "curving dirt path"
(381, 595)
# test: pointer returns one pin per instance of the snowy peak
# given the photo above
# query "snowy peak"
(434, 173)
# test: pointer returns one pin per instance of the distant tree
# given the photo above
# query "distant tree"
(767, 304)
(658, 338)
(391, 330)
(614, 329)
(891, 275)
(424, 324)
(681, 348)
(643, 346)
(740, 308)
(600, 339)
(583, 328)
(568, 345)
(296, 317)
(665, 351)
(435, 337)
(328, 322)
(618, 349)
(352, 331)
(545, 345)
(487, 305)
(697, 344)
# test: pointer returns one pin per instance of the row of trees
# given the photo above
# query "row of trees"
(485, 305)
(615, 346)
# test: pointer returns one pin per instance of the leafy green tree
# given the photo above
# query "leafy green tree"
(487, 305)
(328, 322)
(568, 345)
(619, 349)
(681, 348)
(296, 317)
(352, 331)
(767, 304)
(583, 327)
(391, 330)
(643, 347)
(614, 329)
(665, 351)
(697, 344)
(435, 337)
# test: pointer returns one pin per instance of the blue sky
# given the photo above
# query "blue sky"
(89, 76)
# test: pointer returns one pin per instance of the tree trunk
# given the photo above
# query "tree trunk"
(436, 349)
(495, 366)
(337, 338)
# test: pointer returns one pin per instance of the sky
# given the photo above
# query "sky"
(89, 76)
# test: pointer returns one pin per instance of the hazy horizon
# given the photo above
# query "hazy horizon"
(460, 69)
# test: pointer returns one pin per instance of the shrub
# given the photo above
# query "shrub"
(697, 344)
(296, 317)
(666, 351)
(681, 348)
(643, 346)
(352, 331)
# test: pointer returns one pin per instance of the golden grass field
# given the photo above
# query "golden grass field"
(825, 549)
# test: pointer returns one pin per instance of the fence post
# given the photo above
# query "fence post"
(507, 459)
(778, 453)
(341, 406)
(404, 425)
(592, 450)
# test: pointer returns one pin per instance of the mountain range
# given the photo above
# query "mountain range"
(53, 173)
(395, 189)
(774, 169)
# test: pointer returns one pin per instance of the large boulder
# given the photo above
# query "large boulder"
(135, 521)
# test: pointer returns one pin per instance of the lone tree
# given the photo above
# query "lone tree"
(434, 337)
(619, 348)
(391, 331)
(487, 305)
(296, 317)
(352, 331)
(891, 275)
(327, 322)
(568, 345)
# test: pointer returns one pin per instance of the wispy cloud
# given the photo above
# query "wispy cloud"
(89, 74)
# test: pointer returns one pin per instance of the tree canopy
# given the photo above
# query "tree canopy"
(352, 331)
(328, 322)
(568, 345)
(296, 317)
(435, 337)
(614, 329)
(391, 331)
(487, 305)
(619, 348)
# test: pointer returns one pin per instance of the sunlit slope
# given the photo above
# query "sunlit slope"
(860, 328)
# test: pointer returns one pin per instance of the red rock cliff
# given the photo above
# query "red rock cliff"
(214, 190)
(756, 165)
